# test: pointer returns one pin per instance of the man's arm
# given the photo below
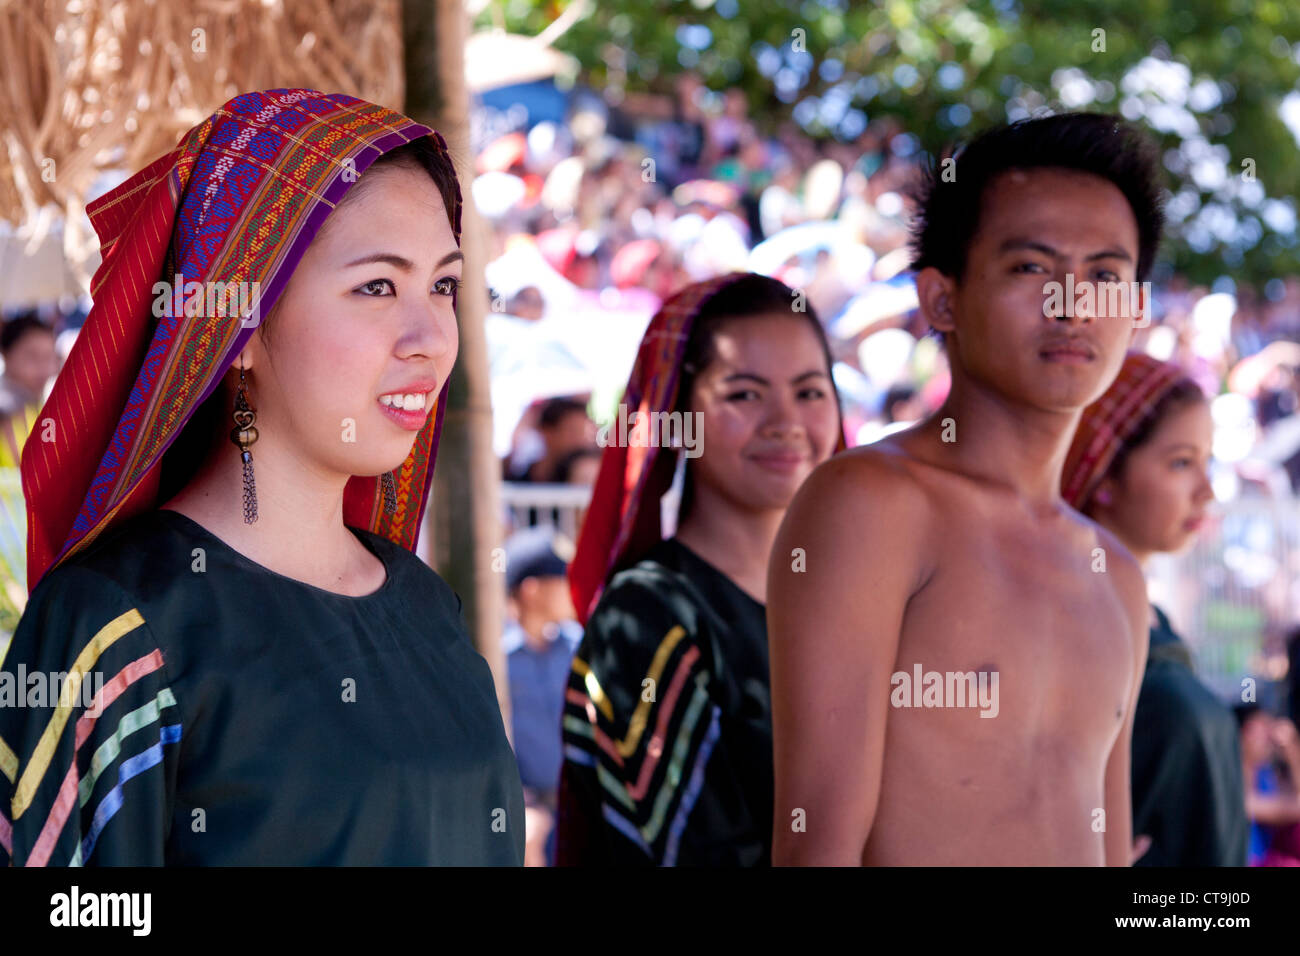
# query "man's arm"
(843, 567)
(1118, 785)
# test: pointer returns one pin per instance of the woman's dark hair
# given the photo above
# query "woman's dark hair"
(182, 460)
(418, 154)
(949, 206)
(755, 295)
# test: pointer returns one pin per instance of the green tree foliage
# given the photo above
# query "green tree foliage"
(1212, 79)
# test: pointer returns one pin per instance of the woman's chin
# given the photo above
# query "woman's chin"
(1180, 541)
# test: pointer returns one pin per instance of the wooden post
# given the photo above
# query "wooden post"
(464, 520)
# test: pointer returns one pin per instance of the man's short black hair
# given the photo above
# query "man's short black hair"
(948, 213)
(555, 410)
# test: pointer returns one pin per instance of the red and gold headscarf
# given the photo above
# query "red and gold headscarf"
(238, 200)
(1111, 421)
(623, 519)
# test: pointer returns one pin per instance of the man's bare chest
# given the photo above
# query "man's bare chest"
(1039, 616)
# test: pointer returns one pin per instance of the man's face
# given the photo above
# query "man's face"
(1037, 227)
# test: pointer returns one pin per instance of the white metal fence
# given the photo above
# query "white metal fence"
(1234, 597)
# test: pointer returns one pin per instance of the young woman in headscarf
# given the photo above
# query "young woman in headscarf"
(1137, 466)
(259, 668)
(667, 725)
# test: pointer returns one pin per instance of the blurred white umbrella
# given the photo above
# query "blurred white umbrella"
(801, 240)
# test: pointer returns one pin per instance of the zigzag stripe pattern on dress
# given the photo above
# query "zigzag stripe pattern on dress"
(650, 764)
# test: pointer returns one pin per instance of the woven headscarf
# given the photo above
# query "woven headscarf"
(623, 519)
(238, 200)
(1111, 421)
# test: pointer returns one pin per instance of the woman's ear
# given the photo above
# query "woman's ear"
(1104, 496)
(247, 359)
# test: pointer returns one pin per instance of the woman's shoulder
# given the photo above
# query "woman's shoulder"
(141, 550)
(1173, 696)
(657, 582)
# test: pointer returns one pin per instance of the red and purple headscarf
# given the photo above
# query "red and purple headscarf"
(623, 519)
(238, 200)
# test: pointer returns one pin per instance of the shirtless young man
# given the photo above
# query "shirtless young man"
(947, 548)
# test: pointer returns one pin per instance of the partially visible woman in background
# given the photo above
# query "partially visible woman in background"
(667, 721)
(31, 362)
(1138, 466)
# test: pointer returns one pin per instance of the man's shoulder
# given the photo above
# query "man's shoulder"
(1123, 573)
(1119, 560)
(871, 477)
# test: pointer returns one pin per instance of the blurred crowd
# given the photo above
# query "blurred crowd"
(595, 221)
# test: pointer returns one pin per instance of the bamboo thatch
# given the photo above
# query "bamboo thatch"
(92, 85)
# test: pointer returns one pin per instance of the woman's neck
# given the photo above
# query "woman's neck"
(299, 531)
(735, 542)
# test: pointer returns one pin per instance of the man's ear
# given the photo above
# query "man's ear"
(936, 293)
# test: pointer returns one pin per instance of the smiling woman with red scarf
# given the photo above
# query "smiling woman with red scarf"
(667, 721)
(223, 527)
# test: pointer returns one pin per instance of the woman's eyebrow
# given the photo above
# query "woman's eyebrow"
(811, 373)
(401, 262)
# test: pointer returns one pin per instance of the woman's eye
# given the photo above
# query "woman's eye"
(373, 284)
(1182, 463)
(742, 395)
(813, 393)
(1026, 267)
(446, 286)
(1105, 275)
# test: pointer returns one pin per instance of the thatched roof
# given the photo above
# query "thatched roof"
(94, 85)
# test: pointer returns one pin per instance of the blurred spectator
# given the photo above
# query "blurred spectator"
(30, 363)
(539, 641)
(1270, 757)
(527, 304)
(580, 467)
(564, 428)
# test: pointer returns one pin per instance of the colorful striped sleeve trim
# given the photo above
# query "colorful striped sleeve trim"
(73, 788)
(46, 747)
(112, 801)
(645, 797)
(8, 761)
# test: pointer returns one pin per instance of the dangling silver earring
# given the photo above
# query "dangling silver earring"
(390, 492)
(243, 435)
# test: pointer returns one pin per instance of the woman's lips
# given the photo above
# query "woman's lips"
(411, 421)
(782, 463)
